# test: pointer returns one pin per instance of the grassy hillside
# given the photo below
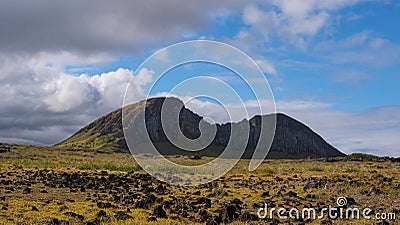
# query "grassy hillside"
(103, 134)
(292, 139)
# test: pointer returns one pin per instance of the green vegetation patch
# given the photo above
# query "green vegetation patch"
(268, 171)
(109, 166)
(316, 169)
(352, 169)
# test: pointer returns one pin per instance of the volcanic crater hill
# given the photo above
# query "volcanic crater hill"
(292, 140)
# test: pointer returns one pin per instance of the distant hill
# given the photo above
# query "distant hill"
(292, 139)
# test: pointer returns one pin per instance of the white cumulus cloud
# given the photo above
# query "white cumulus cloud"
(38, 98)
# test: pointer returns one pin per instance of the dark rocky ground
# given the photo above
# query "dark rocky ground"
(66, 194)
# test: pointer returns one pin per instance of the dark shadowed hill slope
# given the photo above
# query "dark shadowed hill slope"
(292, 138)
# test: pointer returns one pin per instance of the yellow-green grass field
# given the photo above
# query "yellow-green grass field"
(48, 185)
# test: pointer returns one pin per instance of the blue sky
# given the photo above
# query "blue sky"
(331, 64)
(337, 64)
